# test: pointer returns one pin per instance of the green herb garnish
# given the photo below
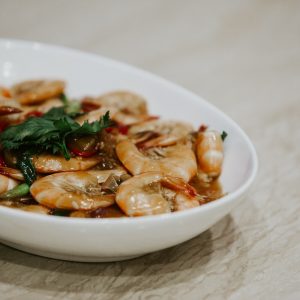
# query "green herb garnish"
(46, 134)
(24, 163)
(224, 134)
(49, 132)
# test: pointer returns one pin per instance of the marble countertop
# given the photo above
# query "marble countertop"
(244, 56)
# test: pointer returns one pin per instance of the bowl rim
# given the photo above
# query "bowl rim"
(38, 46)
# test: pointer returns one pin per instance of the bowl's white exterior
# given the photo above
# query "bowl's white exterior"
(117, 239)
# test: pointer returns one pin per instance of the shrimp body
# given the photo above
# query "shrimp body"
(122, 101)
(38, 209)
(169, 132)
(177, 161)
(10, 110)
(47, 163)
(4, 93)
(125, 107)
(181, 202)
(36, 91)
(42, 107)
(12, 173)
(174, 128)
(7, 184)
(129, 119)
(209, 151)
(115, 114)
(145, 194)
(74, 190)
(95, 115)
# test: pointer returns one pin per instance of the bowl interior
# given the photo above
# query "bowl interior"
(92, 75)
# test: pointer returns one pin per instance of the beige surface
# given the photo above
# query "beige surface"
(244, 56)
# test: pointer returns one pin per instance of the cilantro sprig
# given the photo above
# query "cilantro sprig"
(47, 133)
(224, 135)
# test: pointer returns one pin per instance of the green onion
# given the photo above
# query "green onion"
(18, 191)
(24, 163)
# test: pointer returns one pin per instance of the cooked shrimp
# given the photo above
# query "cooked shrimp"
(7, 184)
(34, 208)
(177, 161)
(146, 194)
(47, 163)
(115, 115)
(39, 109)
(74, 190)
(10, 111)
(129, 119)
(36, 91)
(79, 214)
(42, 107)
(175, 128)
(124, 101)
(95, 115)
(209, 151)
(4, 93)
(12, 173)
(9, 102)
(38, 209)
(181, 202)
(129, 108)
(169, 132)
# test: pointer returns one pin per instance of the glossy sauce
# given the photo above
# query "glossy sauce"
(209, 191)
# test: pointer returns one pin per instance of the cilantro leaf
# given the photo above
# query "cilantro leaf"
(92, 128)
(49, 132)
(224, 134)
(54, 113)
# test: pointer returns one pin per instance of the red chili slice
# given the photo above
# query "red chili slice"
(109, 129)
(84, 146)
(202, 128)
(34, 113)
(83, 153)
(89, 106)
(123, 129)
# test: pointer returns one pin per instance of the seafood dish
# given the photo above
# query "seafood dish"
(101, 157)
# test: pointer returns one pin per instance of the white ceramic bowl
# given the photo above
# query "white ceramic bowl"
(118, 239)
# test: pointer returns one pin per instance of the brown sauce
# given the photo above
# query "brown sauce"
(209, 191)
